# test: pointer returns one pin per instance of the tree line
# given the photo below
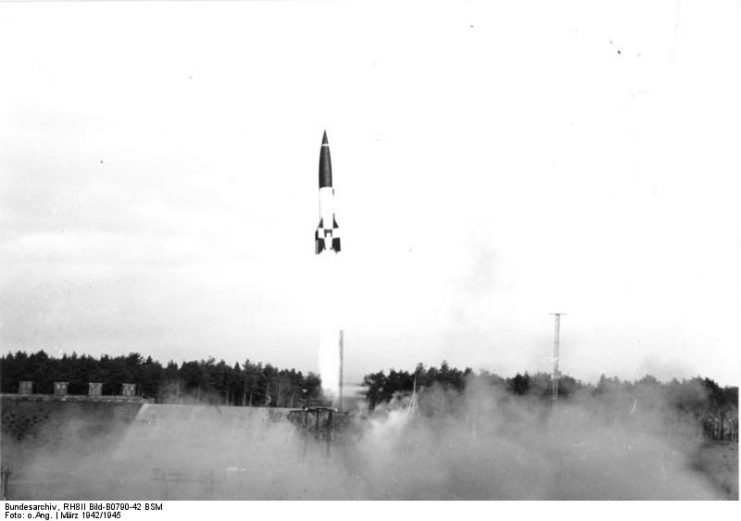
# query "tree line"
(258, 384)
(202, 381)
(697, 397)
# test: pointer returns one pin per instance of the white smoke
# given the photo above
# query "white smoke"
(328, 294)
(479, 445)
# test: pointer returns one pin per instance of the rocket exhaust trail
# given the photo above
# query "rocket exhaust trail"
(326, 247)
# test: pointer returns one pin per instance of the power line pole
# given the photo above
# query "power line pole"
(556, 347)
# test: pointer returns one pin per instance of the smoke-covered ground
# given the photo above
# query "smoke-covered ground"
(472, 446)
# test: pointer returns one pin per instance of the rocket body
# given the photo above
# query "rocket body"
(327, 235)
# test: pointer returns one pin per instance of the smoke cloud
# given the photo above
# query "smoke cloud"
(328, 293)
(475, 445)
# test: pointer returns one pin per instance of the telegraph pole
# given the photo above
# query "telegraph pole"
(556, 346)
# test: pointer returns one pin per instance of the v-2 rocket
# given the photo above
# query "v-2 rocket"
(327, 235)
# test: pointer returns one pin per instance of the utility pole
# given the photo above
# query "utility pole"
(556, 346)
(342, 361)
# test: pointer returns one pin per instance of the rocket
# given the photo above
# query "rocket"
(327, 235)
(327, 246)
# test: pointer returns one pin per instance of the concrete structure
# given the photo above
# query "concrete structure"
(25, 387)
(60, 388)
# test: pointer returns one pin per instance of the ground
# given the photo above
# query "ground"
(719, 463)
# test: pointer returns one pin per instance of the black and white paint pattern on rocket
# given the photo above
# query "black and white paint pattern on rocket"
(327, 236)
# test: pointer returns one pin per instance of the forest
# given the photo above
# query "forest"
(258, 384)
(696, 401)
(201, 381)
(687, 393)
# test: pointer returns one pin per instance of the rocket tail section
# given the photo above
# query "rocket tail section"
(327, 238)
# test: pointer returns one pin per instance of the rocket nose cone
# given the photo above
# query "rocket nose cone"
(325, 164)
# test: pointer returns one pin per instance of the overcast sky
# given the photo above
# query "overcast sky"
(492, 164)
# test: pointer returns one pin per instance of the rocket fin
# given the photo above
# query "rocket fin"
(319, 239)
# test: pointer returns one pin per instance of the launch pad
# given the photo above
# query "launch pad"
(322, 424)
